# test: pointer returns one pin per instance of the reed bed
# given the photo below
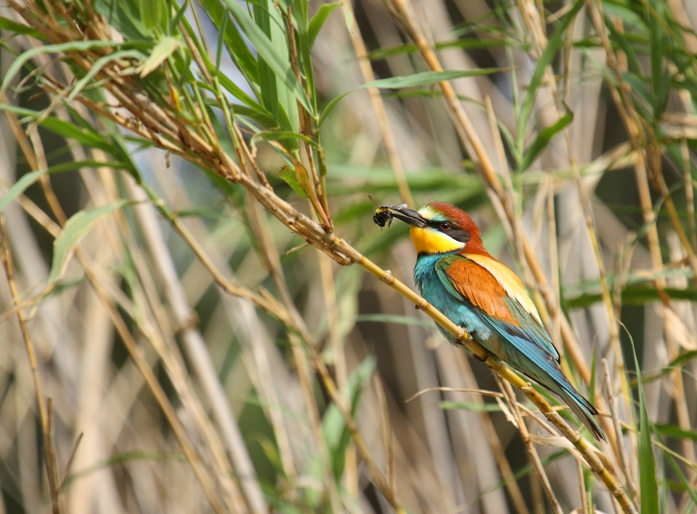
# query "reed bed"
(199, 315)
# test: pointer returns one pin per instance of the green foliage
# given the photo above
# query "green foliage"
(75, 229)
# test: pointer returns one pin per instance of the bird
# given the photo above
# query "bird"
(456, 274)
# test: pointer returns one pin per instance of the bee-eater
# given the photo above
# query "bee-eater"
(457, 275)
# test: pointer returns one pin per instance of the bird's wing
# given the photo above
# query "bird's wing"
(498, 293)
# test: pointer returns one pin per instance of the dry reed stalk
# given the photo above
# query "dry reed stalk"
(198, 355)
(493, 440)
(128, 340)
(624, 462)
(44, 410)
(532, 453)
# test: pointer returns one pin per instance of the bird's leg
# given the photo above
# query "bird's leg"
(464, 342)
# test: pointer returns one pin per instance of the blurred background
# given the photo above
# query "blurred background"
(174, 381)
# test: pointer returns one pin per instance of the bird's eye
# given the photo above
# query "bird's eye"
(445, 226)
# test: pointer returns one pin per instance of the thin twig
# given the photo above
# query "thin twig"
(44, 415)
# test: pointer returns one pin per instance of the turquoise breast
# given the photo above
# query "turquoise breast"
(456, 309)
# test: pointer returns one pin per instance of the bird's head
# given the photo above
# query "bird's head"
(439, 228)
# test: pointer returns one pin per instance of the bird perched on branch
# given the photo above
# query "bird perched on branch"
(456, 274)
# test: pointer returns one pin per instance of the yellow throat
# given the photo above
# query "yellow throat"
(429, 240)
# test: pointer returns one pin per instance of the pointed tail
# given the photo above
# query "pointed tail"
(582, 408)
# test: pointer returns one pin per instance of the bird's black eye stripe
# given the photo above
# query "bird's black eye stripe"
(447, 228)
(460, 235)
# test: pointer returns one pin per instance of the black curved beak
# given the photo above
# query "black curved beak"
(409, 216)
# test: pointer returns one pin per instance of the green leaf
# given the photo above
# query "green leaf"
(542, 140)
(336, 433)
(97, 67)
(317, 21)
(234, 41)
(150, 13)
(20, 186)
(267, 78)
(635, 295)
(163, 49)
(679, 362)
(18, 28)
(221, 40)
(676, 432)
(125, 17)
(426, 78)
(260, 113)
(178, 16)
(265, 49)
(553, 46)
(75, 46)
(660, 49)
(278, 135)
(75, 229)
(522, 472)
(291, 178)
(648, 482)
(30, 178)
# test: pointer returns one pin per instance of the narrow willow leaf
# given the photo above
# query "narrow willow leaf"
(684, 481)
(660, 48)
(522, 472)
(149, 13)
(264, 119)
(318, 20)
(75, 46)
(237, 92)
(88, 137)
(635, 295)
(177, 17)
(237, 47)
(542, 140)
(18, 28)
(301, 15)
(676, 432)
(124, 17)
(121, 458)
(221, 40)
(336, 433)
(290, 177)
(267, 78)
(20, 186)
(553, 46)
(271, 135)
(265, 48)
(97, 67)
(648, 481)
(426, 78)
(28, 179)
(163, 49)
(75, 229)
